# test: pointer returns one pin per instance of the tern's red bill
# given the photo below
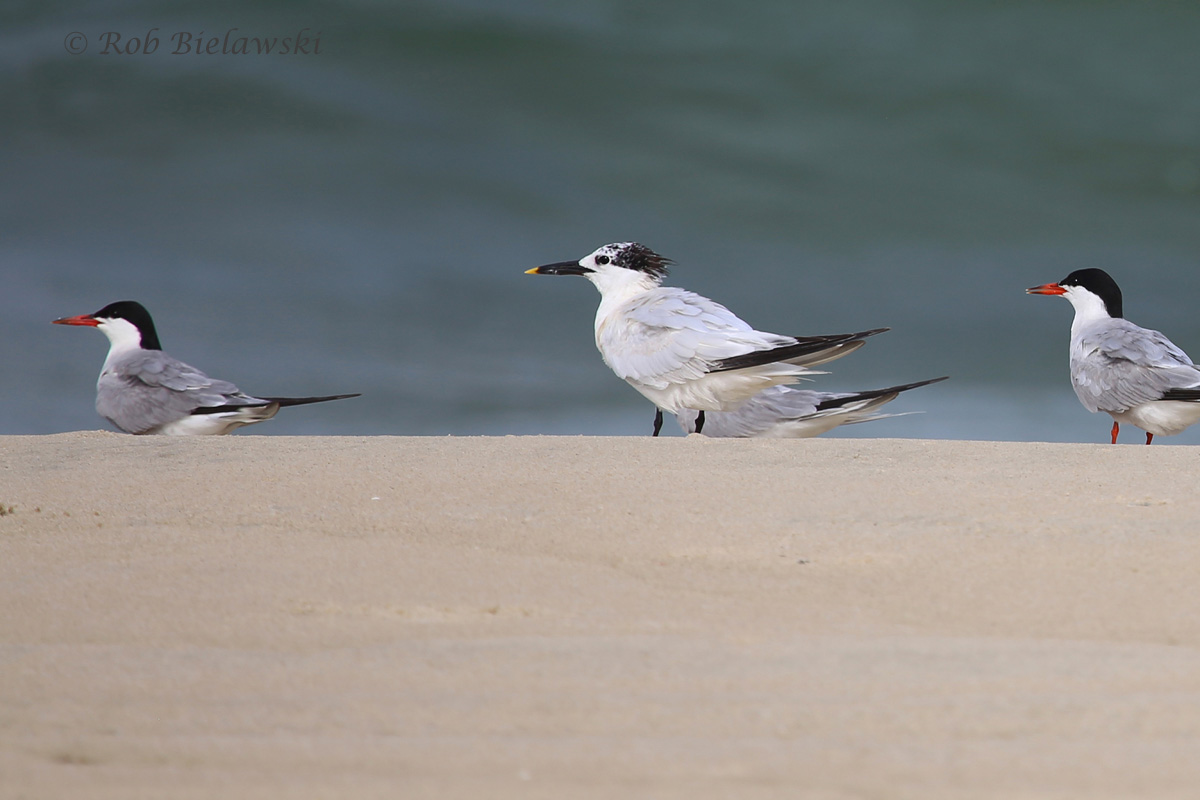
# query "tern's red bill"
(82, 319)
(1046, 288)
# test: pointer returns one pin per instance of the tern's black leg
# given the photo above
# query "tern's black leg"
(699, 421)
(657, 421)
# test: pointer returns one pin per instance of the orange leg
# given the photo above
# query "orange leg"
(1149, 437)
(1116, 427)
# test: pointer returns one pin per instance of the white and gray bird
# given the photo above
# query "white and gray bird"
(783, 412)
(143, 390)
(682, 350)
(1136, 375)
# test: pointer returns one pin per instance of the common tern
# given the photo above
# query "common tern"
(682, 350)
(783, 412)
(1135, 374)
(143, 390)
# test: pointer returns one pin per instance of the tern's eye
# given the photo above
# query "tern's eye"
(602, 260)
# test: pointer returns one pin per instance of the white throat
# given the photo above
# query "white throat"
(123, 337)
(1089, 308)
(617, 286)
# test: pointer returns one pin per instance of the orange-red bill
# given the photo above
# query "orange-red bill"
(1046, 288)
(82, 319)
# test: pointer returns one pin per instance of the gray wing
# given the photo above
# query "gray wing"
(150, 389)
(798, 413)
(1119, 365)
(672, 336)
(759, 414)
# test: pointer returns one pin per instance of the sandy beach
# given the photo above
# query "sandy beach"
(550, 617)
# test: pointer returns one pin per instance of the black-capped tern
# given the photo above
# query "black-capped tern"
(143, 390)
(1134, 374)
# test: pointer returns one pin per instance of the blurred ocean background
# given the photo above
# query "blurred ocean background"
(360, 219)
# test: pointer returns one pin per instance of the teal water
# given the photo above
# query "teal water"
(360, 219)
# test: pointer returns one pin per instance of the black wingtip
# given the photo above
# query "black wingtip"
(1185, 395)
(805, 345)
(873, 393)
(284, 402)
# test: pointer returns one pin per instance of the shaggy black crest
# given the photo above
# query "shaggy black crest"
(1100, 283)
(643, 259)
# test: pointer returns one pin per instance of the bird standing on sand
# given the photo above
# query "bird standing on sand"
(684, 351)
(782, 412)
(1135, 374)
(143, 390)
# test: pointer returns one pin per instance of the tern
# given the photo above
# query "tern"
(682, 350)
(1135, 374)
(782, 412)
(143, 390)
